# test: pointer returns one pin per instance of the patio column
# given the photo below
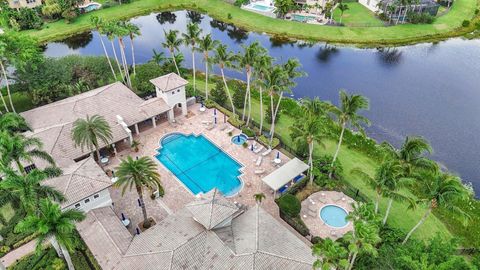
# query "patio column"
(184, 108)
(114, 149)
(154, 122)
(136, 129)
(171, 115)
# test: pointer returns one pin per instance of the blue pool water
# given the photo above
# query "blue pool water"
(262, 7)
(239, 139)
(302, 18)
(199, 164)
(334, 216)
(92, 7)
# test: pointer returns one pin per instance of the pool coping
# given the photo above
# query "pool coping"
(241, 169)
(325, 223)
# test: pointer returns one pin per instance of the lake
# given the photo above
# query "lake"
(430, 90)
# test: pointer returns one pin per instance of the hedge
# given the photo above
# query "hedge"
(290, 205)
(296, 223)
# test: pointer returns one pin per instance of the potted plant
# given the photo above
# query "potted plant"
(135, 146)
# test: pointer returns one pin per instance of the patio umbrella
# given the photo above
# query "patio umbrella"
(138, 230)
(123, 216)
(224, 118)
(214, 111)
(113, 173)
(251, 147)
(278, 154)
(215, 120)
(139, 203)
(238, 138)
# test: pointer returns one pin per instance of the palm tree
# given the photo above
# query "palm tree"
(307, 132)
(343, 7)
(172, 42)
(13, 123)
(3, 52)
(98, 24)
(158, 57)
(17, 149)
(109, 30)
(330, 255)
(121, 31)
(139, 173)
(90, 131)
(54, 225)
(274, 84)
(259, 197)
(206, 44)
(362, 240)
(190, 38)
(224, 58)
(261, 68)
(363, 212)
(347, 114)
(26, 190)
(133, 31)
(282, 7)
(440, 190)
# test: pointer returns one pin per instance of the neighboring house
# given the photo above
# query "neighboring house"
(372, 5)
(398, 13)
(24, 3)
(209, 233)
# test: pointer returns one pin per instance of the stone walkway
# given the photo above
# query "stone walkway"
(18, 253)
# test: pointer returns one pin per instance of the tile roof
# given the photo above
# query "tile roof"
(52, 123)
(79, 181)
(169, 82)
(180, 242)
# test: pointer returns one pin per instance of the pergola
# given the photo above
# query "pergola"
(285, 174)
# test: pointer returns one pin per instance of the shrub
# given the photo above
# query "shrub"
(298, 186)
(266, 141)
(239, 3)
(238, 95)
(23, 18)
(466, 23)
(249, 132)
(290, 205)
(218, 94)
(296, 223)
(69, 15)
(417, 18)
(188, 90)
(324, 166)
(141, 81)
(229, 16)
(316, 240)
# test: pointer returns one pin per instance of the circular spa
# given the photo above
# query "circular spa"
(239, 139)
(334, 216)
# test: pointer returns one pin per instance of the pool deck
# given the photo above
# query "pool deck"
(176, 194)
(310, 213)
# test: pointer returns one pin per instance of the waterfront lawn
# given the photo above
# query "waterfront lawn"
(357, 15)
(444, 27)
(400, 217)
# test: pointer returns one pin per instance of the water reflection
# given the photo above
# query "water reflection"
(325, 53)
(194, 16)
(390, 56)
(78, 41)
(166, 17)
(234, 33)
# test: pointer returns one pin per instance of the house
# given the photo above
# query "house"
(372, 5)
(24, 3)
(208, 233)
(398, 12)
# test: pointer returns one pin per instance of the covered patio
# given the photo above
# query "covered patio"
(289, 173)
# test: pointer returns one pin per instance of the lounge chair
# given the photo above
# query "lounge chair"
(312, 214)
(323, 200)
(210, 126)
(267, 152)
(312, 208)
(206, 122)
(261, 171)
(254, 144)
(283, 189)
(260, 148)
(223, 127)
(230, 129)
(259, 161)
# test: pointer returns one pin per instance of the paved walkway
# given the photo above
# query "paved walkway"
(16, 254)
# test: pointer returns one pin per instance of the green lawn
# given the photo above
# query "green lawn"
(444, 27)
(357, 15)
(400, 217)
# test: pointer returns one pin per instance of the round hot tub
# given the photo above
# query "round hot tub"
(334, 216)
(239, 139)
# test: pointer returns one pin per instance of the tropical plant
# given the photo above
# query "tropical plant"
(282, 7)
(261, 67)
(133, 31)
(347, 114)
(172, 43)
(440, 190)
(109, 30)
(54, 225)
(158, 57)
(205, 45)
(26, 190)
(120, 31)
(98, 24)
(89, 132)
(138, 173)
(13, 123)
(342, 7)
(362, 240)
(363, 212)
(224, 58)
(259, 197)
(18, 149)
(190, 38)
(330, 255)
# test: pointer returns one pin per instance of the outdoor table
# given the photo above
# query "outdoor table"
(126, 222)
(277, 161)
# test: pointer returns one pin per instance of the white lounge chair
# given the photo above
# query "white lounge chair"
(261, 171)
(260, 148)
(223, 127)
(254, 144)
(267, 152)
(259, 161)
(206, 122)
(210, 126)
(229, 130)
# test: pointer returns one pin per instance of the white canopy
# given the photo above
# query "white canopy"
(285, 174)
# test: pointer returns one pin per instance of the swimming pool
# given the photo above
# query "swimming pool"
(334, 216)
(302, 18)
(261, 8)
(199, 164)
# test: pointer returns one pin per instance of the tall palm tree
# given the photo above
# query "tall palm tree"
(330, 255)
(17, 149)
(158, 57)
(362, 240)
(259, 197)
(224, 58)
(109, 30)
(307, 132)
(133, 31)
(342, 7)
(347, 114)
(363, 212)
(205, 45)
(120, 30)
(274, 85)
(139, 173)
(98, 24)
(440, 190)
(3, 52)
(13, 123)
(26, 190)
(190, 38)
(261, 67)
(172, 42)
(54, 225)
(89, 132)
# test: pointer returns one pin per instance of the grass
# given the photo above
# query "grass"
(444, 27)
(357, 15)
(399, 217)
(7, 212)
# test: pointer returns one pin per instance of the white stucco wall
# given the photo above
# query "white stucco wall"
(97, 200)
(370, 4)
(174, 97)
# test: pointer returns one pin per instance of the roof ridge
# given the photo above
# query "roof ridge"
(283, 257)
(211, 209)
(108, 235)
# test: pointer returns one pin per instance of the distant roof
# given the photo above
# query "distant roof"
(52, 123)
(254, 240)
(285, 174)
(79, 181)
(169, 82)
(211, 209)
